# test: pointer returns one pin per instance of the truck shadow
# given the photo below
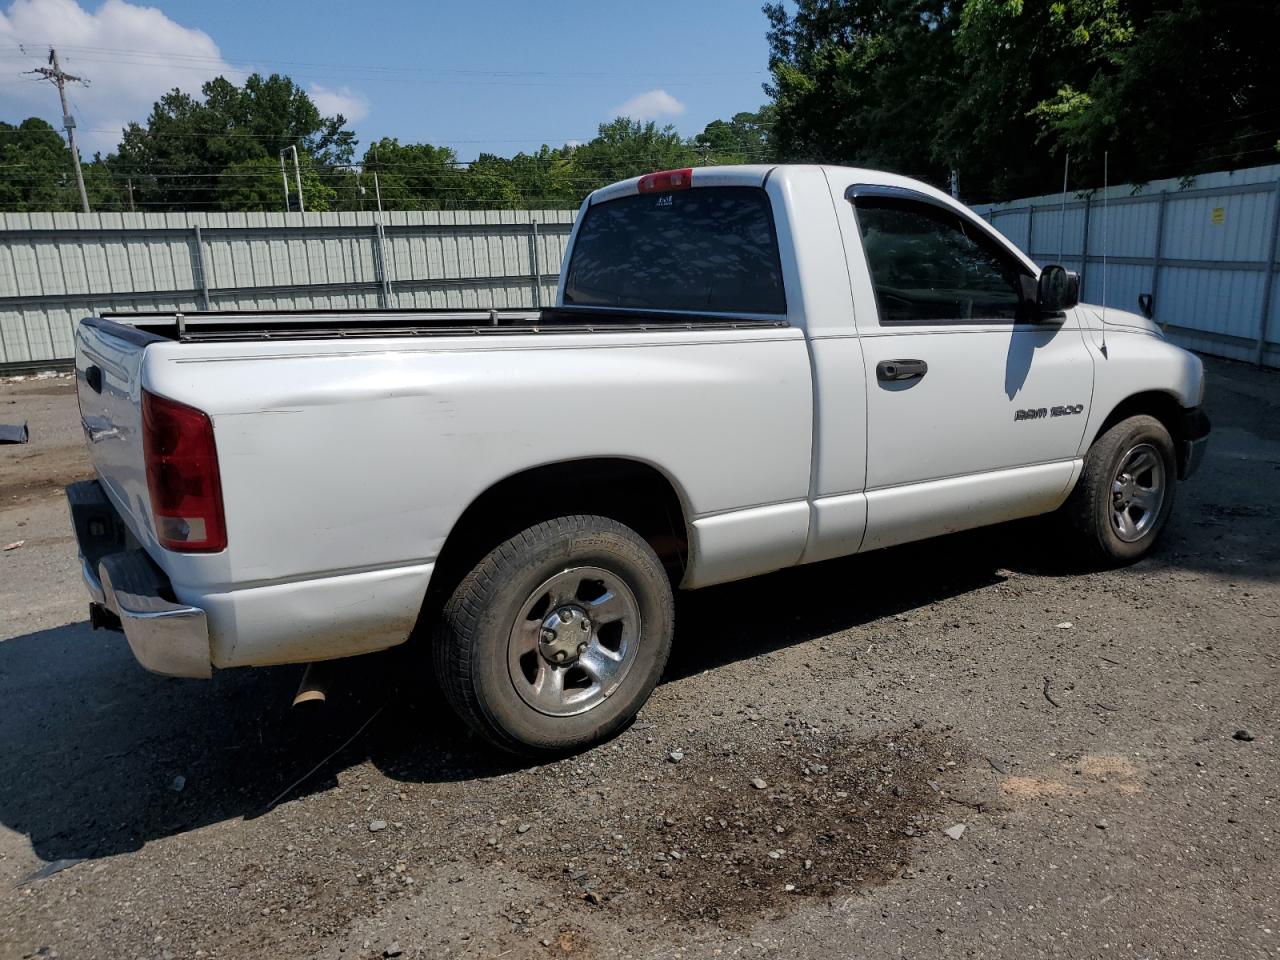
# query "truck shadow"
(98, 757)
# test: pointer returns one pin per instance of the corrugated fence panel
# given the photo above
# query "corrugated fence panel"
(1205, 246)
(57, 268)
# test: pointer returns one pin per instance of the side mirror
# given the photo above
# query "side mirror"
(1058, 289)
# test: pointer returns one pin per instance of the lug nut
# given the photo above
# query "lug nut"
(586, 624)
(548, 636)
(559, 654)
(566, 614)
(582, 647)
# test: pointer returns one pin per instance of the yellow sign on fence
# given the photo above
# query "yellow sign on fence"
(1219, 216)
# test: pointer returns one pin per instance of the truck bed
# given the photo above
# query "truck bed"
(213, 326)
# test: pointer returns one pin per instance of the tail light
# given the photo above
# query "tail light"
(182, 475)
(666, 180)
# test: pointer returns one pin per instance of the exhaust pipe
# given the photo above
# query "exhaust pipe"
(314, 685)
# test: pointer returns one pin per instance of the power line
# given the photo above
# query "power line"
(161, 58)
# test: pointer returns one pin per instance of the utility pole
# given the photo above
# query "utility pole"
(128, 184)
(54, 72)
(297, 176)
(285, 177)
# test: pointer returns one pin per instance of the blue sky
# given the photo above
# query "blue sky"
(480, 75)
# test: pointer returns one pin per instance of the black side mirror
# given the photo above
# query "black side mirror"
(1058, 289)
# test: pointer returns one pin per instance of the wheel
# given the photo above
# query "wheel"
(1119, 508)
(556, 639)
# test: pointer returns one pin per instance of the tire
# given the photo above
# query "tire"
(555, 640)
(1124, 466)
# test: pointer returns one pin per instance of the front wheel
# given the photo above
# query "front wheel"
(1125, 494)
(556, 639)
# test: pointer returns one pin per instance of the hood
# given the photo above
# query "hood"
(1124, 318)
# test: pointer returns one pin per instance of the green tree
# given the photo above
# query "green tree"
(1014, 55)
(412, 176)
(1192, 89)
(176, 158)
(625, 148)
(863, 82)
(544, 179)
(35, 168)
(745, 138)
(1000, 90)
(257, 185)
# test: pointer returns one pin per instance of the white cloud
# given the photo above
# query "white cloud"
(651, 105)
(331, 101)
(130, 55)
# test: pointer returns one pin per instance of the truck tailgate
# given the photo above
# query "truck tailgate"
(109, 384)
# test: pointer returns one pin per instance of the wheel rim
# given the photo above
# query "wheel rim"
(574, 641)
(1137, 493)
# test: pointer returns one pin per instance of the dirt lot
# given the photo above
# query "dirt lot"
(1079, 726)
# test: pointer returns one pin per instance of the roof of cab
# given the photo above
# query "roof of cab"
(744, 175)
(755, 175)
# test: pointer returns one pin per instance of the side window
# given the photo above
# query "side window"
(929, 266)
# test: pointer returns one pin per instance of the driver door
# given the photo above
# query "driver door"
(975, 404)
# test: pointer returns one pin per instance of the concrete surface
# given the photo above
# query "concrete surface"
(1078, 724)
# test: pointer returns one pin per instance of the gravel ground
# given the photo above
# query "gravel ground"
(796, 787)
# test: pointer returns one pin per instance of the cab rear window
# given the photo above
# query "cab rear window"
(707, 249)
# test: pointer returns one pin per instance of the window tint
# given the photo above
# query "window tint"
(929, 266)
(709, 249)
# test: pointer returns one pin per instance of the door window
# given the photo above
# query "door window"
(929, 266)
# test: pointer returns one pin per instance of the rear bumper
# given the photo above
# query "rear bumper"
(1193, 443)
(165, 636)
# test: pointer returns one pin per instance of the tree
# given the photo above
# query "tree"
(864, 82)
(544, 179)
(1193, 89)
(1000, 90)
(1014, 55)
(176, 159)
(257, 185)
(743, 139)
(35, 168)
(625, 148)
(413, 176)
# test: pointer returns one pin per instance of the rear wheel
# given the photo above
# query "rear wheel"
(1121, 504)
(556, 639)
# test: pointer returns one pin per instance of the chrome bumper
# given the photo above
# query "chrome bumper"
(165, 636)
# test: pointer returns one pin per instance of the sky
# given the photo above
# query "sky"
(493, 76)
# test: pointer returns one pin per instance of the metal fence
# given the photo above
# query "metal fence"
(1203, 247)
(58, 267)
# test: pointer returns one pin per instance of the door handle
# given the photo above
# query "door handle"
(891, 370)
(93, 377)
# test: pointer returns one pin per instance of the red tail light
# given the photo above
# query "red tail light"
(666, 180)
(182, 475)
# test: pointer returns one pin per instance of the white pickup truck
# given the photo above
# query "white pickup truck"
(747, 368)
